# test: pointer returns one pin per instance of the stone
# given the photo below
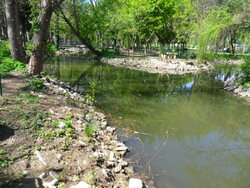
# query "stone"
(25, 172)
(50, 184)
(81, 143)
(112, 156)
(122, 148)
(110, 163)
(135, 183)
(61, 125)
(81, 184)
(124, 163)
(100, 115)
(40, 157)
(103, 124)
(129, 170)
(118, 168)
(98, 155)
(59, 156)
(111, 129)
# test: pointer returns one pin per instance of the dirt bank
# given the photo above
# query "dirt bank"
(156, 65)
(56, 138)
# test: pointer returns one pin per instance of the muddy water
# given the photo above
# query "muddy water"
(185, 131)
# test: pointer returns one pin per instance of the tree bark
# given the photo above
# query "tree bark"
(40, 37)
(15, 39)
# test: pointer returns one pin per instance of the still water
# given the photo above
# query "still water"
(185, 131)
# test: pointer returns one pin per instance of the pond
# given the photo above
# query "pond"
(184, 130)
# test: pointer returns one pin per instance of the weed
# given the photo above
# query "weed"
(25, 98)
(36, 85)
(91, 96)
(61, 184)
(89, 131)
(90, 178)
(4, 160)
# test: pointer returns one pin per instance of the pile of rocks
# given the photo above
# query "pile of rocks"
(155, 65)
(71, 51)
(236, 88)
(105, 151)
(236, 62)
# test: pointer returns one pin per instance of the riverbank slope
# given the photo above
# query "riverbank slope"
(55, 138)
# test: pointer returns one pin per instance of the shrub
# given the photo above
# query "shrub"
(7, 65)
(36, 85)
(4, 49)
(245, 68)
(89, 131)
(50, 48)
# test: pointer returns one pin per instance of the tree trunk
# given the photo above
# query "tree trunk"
(78, 35)
(232, 41)
(40, 37)
(15, 39)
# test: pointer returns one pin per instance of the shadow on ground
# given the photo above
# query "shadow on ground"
(21, 183)
(5, 132)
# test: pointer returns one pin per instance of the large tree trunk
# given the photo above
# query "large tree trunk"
(40, 38)
(15, 39)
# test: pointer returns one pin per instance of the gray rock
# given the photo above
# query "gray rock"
(112, 156)
(61, 125)
(111, 129)
(135, 183)
(118, 168)
(81, 184)
(122, 148)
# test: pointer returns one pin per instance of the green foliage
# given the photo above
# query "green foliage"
(4, 49)
(110, 53)
(50, 48)
(25, 98)
(91, 96)
(245, 68)
(90, 130)
(7, 65)
(4, 159)
(29, 48)
(209, 32)
(36, 85)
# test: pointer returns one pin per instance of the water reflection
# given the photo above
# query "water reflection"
(193, 134)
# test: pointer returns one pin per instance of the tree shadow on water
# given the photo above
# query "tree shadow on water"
(5, 132)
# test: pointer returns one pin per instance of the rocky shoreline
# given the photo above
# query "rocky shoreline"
(156, 65)
(238, 90)
(231, 62)
(66, 155)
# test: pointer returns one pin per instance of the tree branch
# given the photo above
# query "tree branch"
(57, 4)
(78, 35)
